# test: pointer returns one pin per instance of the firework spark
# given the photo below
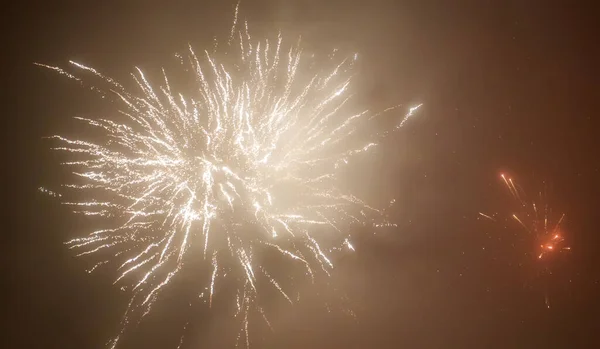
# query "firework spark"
(251, 160)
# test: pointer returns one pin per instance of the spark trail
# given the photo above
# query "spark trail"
(247, 160)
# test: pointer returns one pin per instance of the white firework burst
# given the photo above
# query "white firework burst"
(247, 159)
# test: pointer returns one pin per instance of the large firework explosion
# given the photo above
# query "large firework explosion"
(248, 160)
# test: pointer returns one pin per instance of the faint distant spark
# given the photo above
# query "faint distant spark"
(486, 216)
(49, 192)
(250, 160)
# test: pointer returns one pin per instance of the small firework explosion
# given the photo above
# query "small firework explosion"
(538, 219)
(542, 225)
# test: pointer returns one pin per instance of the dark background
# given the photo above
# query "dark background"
(507, 85)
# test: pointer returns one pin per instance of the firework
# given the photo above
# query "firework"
(249, 161)
(536, 218)
(541, 221)
(541, 226)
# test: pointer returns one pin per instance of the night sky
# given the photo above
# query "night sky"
(506, 86)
